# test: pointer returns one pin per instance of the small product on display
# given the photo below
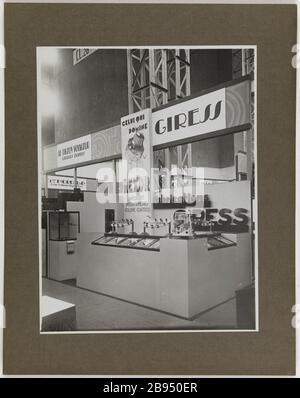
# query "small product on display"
(122, 223)
(157, 223)
(182, 223)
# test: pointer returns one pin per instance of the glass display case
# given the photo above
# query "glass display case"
(146, 242)
(116, 240)
(129, 241)
(64, 225)
(219, 241)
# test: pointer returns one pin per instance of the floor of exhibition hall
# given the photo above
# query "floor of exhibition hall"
(98, 312)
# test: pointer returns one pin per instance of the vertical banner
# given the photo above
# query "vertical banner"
(137, 159)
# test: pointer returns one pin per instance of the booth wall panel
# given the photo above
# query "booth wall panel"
(106, 143)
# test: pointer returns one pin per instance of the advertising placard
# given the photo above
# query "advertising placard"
(74, 151)
(190, 118)
(136, 159)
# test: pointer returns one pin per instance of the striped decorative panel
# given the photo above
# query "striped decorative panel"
(238, 104)
(106, 143)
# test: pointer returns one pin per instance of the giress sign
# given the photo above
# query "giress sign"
(190, 118)
(225, 216)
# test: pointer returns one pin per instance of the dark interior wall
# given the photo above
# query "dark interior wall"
(215, 152)
(205, 153)
(209, 68)
(92, 93)
(226, 150)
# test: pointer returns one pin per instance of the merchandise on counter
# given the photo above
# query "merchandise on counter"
(182, 223)
(122, 223)
(157, 223)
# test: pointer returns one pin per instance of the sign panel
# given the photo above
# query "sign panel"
(218, 110)
(75, 151)
(190, 118)
(81, 53)
(66, 183)
(232, 208)
(136, 161)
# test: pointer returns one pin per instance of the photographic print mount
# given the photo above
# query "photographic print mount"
(270, 350)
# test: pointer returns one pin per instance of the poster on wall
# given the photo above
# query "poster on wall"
(137, 158)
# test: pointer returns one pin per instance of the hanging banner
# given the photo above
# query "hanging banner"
(137, 159)
(190, 118)
(65, 183)
(74, 151)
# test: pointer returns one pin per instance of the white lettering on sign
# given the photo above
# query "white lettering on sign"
(81, 53)
(190, 118)
(75, 151)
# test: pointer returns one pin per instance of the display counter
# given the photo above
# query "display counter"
(181, 276)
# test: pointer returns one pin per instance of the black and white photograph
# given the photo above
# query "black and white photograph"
(147, 189)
